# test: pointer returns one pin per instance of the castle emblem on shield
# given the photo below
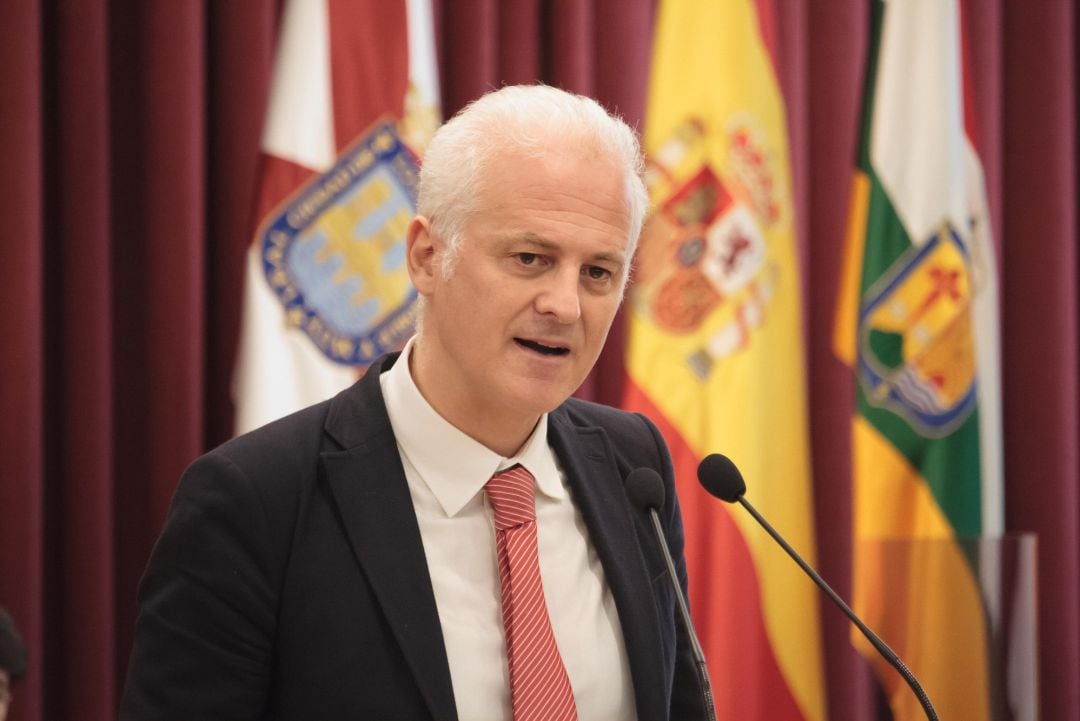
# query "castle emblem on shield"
(703, 260)
(916, 346)
(334, 255)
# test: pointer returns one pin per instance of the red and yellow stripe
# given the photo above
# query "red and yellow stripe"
(714, 348)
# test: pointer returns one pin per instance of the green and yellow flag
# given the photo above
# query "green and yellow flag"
(918, 323)
(715, 353)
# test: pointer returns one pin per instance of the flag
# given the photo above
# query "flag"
(714, 350)
(917, 322)
(353, 100)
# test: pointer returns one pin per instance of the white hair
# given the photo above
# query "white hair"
(526, 120)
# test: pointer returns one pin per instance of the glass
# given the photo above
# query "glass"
(962, 616)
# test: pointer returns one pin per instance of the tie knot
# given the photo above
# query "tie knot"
(512, 497)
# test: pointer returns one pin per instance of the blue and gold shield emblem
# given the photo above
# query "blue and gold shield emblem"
(916, 346)
(334, 255)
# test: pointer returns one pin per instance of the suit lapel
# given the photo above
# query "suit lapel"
(591, 470)
(372, 495)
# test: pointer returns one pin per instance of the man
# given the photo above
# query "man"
(356, 561)
(12, 660)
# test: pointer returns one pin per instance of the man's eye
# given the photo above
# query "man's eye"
(597, 273)
(527, 258)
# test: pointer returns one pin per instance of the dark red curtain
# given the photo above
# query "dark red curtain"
(130, 131)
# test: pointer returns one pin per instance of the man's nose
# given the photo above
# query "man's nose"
(560, 296)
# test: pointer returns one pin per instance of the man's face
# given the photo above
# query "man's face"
(539, 275)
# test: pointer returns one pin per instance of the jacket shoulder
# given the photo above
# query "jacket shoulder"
(291, 445)
(279, 444)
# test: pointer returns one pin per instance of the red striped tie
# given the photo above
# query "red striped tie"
(539, 687)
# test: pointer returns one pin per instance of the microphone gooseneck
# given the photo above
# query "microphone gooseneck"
(721, 478)
(645, 489)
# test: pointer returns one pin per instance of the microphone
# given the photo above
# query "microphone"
(645, 489)
(722, 479)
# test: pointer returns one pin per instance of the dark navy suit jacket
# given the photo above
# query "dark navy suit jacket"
(290, 582)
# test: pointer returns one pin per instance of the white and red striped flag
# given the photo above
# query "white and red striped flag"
(353, 102)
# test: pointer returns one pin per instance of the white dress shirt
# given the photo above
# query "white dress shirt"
(446, 471)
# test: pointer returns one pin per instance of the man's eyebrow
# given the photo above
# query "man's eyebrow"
(541, 243)
(615, 258)
(532, 239)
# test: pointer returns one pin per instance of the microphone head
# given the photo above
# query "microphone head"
(645, 489)
(721, 478)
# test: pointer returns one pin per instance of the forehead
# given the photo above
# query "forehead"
(554, 195)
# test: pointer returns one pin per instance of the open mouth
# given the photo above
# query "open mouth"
(541, 348)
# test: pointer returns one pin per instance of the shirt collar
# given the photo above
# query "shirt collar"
(452, 465)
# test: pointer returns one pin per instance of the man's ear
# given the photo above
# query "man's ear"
(421, 252)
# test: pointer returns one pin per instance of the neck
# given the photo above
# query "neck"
(502, 431)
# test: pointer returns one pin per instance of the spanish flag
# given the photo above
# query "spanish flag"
(714, 348)
(918, 324)
(353, 101)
